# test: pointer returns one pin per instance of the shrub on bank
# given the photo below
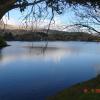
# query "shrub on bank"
(2, 42)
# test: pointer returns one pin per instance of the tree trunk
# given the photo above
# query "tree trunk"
(5, 7)
(2, 13)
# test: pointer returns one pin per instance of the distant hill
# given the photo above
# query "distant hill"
(51, 36)
(12, 34)
(7, 26)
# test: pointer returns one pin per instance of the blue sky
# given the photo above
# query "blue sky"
(65, 19)
(16, 17)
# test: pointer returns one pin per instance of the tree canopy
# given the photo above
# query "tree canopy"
(56, 5)
(91, 11)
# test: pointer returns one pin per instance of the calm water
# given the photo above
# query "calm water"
(34, 73)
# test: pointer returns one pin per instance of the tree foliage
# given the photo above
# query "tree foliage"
(56, 5)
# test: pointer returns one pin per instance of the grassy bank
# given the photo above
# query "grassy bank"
(2, 42)
(83, 91)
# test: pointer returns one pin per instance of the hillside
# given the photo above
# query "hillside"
(51, 36)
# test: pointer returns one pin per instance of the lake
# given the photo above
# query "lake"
(32, 71)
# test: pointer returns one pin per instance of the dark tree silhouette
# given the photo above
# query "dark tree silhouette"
(56, 5)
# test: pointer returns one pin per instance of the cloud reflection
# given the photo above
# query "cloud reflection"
(28, 53)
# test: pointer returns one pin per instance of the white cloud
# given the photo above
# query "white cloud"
(56, 24)
(10, 21)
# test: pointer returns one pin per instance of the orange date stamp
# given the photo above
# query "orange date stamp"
(86, 90)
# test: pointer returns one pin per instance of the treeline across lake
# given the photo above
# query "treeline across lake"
(54, 36)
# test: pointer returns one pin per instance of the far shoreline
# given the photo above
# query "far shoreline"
(51, 41)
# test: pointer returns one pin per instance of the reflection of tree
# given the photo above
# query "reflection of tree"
(44, 48)
(41, 49)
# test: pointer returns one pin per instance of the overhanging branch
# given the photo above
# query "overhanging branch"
(27, 4)
(83, 25)
(89, 27)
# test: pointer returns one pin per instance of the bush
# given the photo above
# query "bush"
(2, 42)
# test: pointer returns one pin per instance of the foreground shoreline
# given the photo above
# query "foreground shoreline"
(89, 90)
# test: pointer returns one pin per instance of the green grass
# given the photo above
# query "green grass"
(2, 42)
(76, 92)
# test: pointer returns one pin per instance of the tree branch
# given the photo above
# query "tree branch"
(27, 4)
(89, 27)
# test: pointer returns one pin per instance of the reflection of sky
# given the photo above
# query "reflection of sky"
(26, 53)
(54, 55)
(34, 73)
(55, 51)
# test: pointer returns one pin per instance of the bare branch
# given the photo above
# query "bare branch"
(27, 4)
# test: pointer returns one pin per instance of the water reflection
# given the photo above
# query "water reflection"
(32, 73)
(50, 53)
